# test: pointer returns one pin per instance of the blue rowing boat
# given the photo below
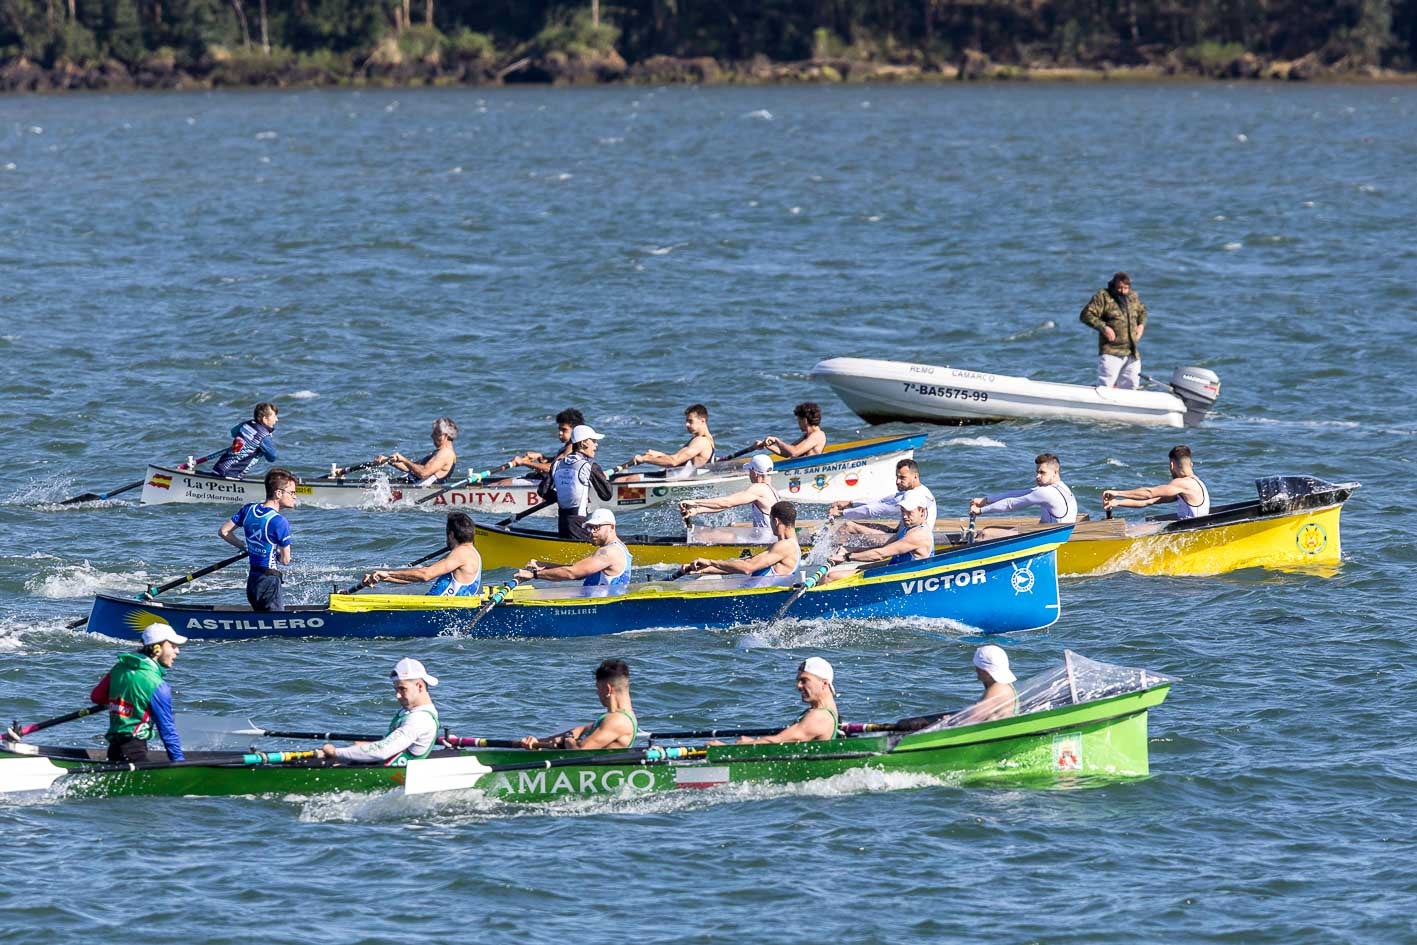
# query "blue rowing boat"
(998, 586)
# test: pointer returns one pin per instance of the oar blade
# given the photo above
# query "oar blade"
(18, 775)
(431, 775)
(86, 497)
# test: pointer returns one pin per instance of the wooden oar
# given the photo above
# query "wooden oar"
(798, 591)
(472, 480)
(100, 496)
(39, 773)
(17, 731)
(460, 772)
(152, 592)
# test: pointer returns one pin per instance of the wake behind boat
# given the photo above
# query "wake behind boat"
(884, 391)
(843, 471)
(1083, 720)
(1006, 585)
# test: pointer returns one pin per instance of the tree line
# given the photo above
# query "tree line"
(1350, 34)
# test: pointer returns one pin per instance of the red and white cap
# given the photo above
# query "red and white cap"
(406, 669)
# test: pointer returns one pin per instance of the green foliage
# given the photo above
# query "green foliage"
(1211, 55)
(469, 45)
(72, 42)
(573, 34)
(421, 43)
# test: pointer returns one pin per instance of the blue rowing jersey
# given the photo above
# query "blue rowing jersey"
(265, 530)
(598, 579)
(448, 586)
(249, 441)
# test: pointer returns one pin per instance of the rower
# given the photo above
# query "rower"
(437, 466)
(907, 480)
(139, 699)
(571, 480)
(780, 559)
(459, 574)
(267, 540)
(413, 733)
(250, 441)
(1051, 496)
(999, 701)
(607, 566)
(698, 451)
(810, 443)
(616, 727)
(540, 466)
(913, 540)
(760, 494)
(1191, 495)
(819, 721)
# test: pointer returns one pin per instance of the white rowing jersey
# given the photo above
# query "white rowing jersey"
(1055, 503)
(1185, 509)
(890, 505)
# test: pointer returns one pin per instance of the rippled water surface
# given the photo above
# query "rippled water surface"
(371, 260)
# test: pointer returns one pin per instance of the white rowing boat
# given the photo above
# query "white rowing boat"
(883, 391)
(856, 470)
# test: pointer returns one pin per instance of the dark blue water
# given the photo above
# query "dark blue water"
(372, 260)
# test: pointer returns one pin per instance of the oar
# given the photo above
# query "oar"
(714, 733)
(969, 529)
(17, 731)
(798, 591)
(858, 728)
(100, 496)
(152, 592)
(356, 588)
(525, 512)
(341, 471)
(469, 741)
(471, 480)
(38, 774)
(499, 595)
(460, 772)
(743, 452)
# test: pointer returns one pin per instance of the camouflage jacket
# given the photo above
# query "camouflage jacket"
(1104, 309)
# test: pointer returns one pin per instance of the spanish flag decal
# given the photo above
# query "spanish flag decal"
(160, 481)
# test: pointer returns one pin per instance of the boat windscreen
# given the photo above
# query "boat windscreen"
(1076, 681)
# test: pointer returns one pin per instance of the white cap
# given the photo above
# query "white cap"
(406, 669)
(994, 661)
(817, 667)
(600, 517)
(914, 499)
(160, 633)
(760, 463)
(584, 432)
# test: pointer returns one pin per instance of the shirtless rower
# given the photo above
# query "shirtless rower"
(438, 465)
(810, 443)
(907, 480)
(1191, 495)
(459, 574)
(760, 495)
(819, 721)
(607, 566)
(780, 559)
(698, 451)
(1051, 496)
(999, 701)
(413, 733)
(913, 540)
(617, 725)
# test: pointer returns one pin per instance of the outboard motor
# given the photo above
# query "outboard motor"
(1198, 390)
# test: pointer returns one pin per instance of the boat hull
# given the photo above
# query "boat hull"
(994, 587)
(1101, 740)
(881, 391)
(846, 472)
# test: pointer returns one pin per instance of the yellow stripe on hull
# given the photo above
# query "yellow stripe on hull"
(1304, 539)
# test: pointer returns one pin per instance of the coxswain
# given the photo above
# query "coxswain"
(759, 494)
(266, 534)
(696, 452)
(459, 574)
(778, 560)
(819, 721)
(139, 699)
(1191, 495)
(437, 466)
(413, 733)
(615, 728)
(810, 443)
(572, 478)
(607, 566)
(250, 440)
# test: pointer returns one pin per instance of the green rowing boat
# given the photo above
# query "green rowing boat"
(1084, 720)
